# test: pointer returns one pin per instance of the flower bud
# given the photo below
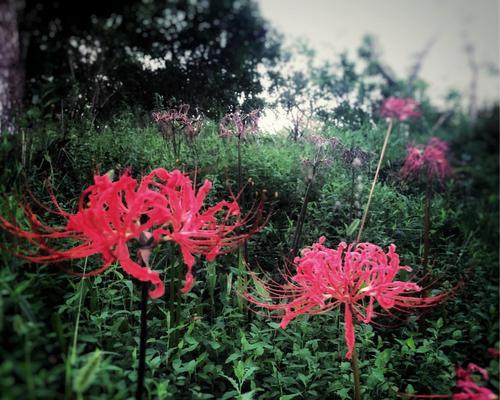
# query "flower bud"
(356, 163)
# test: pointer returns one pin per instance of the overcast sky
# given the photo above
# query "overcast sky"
(402, 28)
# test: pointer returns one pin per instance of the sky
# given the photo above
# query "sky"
(402, 28)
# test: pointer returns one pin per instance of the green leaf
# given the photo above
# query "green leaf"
(233, 357)
(289, 396)
(410, 343)
(85, 376)
(246, 396)
(352, 227)
(248, 373)
(239, 370)
(448, 343)
(261, 290)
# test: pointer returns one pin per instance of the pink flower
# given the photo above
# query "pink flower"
(400, 109)
(208, 232)
(162, 207)
(352, 276)
(466, 384)
(239, 125)
(432, 158)
(180, 117)
(110, 214)
(494, 352)
(469, 388)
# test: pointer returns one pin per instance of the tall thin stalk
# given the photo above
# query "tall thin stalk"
(142, 341)
(240, 184)
(72, 358)
(375, 178)
(427, 222)
(356, 372)
(353, 182)
(297, 236)
(143, 254)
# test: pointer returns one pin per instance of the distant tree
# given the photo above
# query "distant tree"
(102, 55)
(344, 92)
(293, 88)
(11, 71)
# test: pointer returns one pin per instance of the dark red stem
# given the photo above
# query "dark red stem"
(142, 341)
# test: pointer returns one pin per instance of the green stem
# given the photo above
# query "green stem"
(353, 181)
(356, 373)
(427, 222)
(72, 358)
(297, 236)
(375, 178)
(142, 341)
(239, 166)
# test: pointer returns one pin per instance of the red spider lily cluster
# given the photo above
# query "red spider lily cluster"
(164, 206)
(469, 388)
(239, 125)
(354, 276)
(433, 158)
(400, 109)
(179, 116)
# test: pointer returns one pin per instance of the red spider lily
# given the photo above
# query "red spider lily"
(432, 158)
(207, 232)
(109, 215)
(163, 206)
(239, 125)
(326, 279)
(400, 109)
(179, 116)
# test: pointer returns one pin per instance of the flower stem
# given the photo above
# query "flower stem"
(353, 181)
(72, 357)
(297, 236)
(240, 184)
(375, 178)
(142, 341)
(427, 222)
(356, 373)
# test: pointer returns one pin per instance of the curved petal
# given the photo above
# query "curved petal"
(144, 274)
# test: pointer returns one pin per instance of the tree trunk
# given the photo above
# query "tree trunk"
(11, 72)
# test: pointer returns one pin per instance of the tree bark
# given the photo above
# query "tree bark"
(11, 71)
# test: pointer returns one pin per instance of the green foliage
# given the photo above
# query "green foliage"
(205, 345)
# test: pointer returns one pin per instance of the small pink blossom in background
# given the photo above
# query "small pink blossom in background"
(181, 117)
(400, 109)
(352, 276)
(239, 125)
(469, 388)
(321, 142)
(494, 352)
(164, 206)
(433, 159)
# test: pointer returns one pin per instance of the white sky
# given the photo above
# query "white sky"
(402, 29)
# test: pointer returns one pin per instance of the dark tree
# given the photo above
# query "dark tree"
(11, 71)
(107, 54)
